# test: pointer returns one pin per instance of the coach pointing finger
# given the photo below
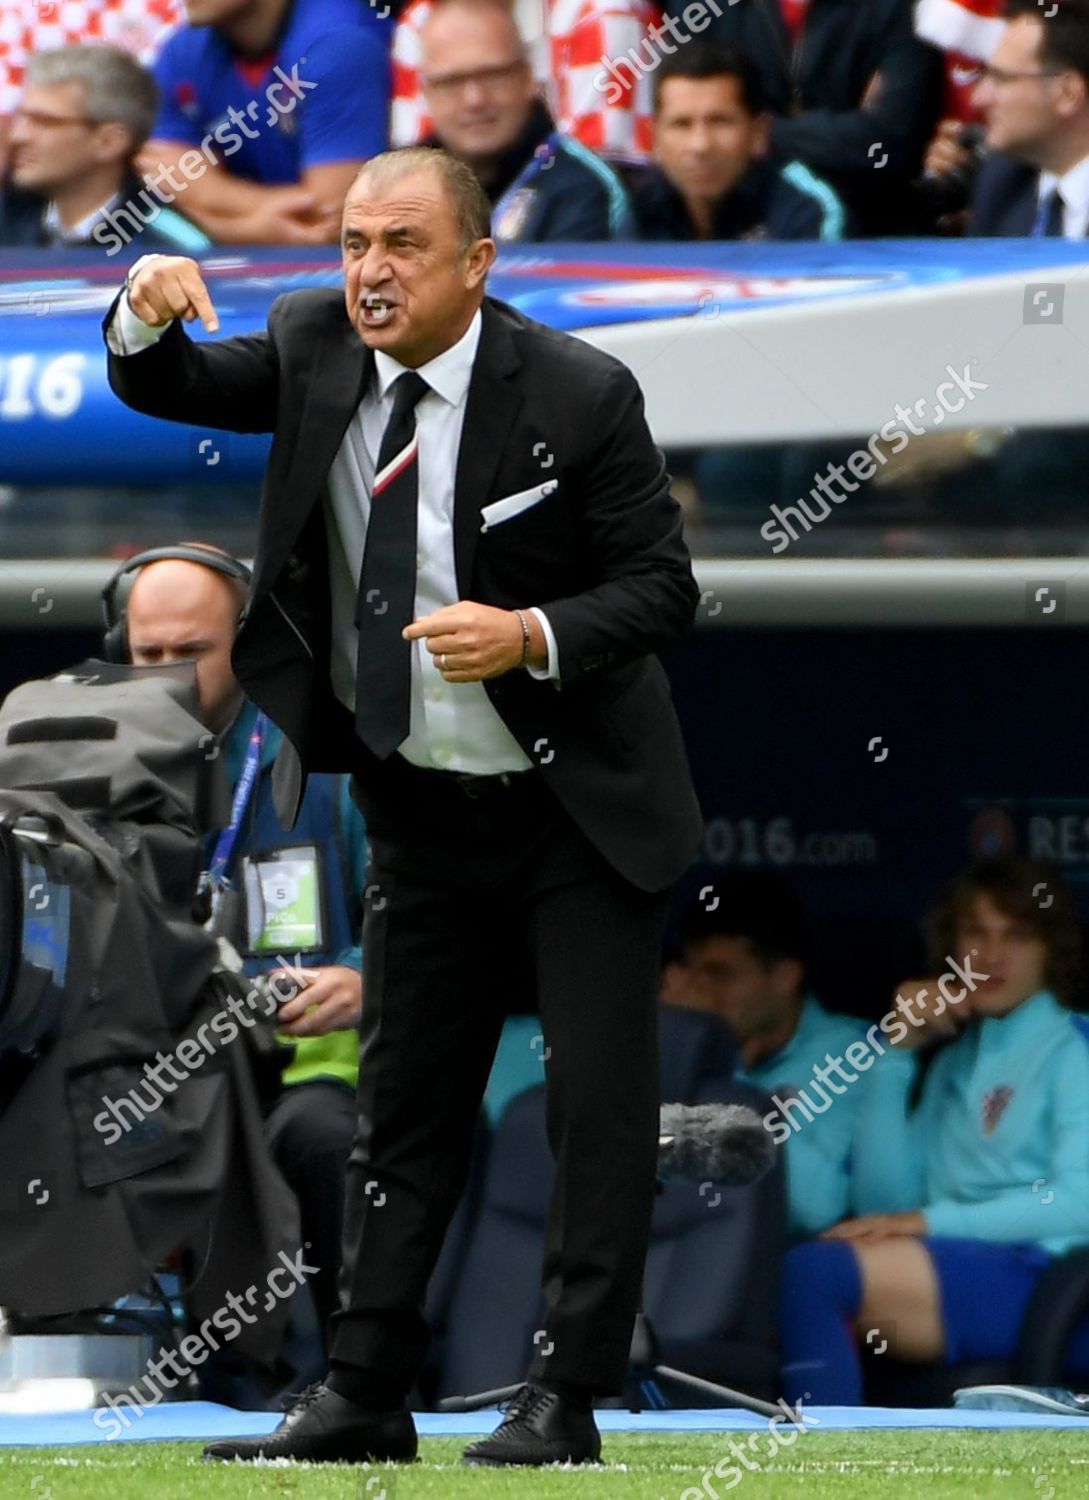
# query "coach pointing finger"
(469, 628)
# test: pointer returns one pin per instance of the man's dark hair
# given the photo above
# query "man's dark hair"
(1030, 891)
(1064, 38)
(712, 60)
(760, 907)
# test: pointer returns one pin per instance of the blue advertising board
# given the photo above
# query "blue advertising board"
(60, 423)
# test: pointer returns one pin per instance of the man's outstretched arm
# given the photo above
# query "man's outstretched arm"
(155, 368)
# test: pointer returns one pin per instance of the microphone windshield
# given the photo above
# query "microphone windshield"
(723, 1143)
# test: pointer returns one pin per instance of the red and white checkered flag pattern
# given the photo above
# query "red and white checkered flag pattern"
(27, 27)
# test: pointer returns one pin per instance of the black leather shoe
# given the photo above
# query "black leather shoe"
(540, 1427)
(326, 1428)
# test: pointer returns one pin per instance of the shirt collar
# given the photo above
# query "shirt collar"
(448, 374)
(80, 233)
(1073, 184)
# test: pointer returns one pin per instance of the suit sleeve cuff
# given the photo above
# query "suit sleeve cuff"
(552, 671)
(127, 333)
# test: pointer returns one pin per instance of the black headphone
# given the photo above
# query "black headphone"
(115, 644)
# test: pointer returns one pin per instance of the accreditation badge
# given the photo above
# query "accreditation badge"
(284, 901)
(512, 217)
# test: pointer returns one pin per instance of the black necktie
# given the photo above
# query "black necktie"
(1053, 222)
(387, 580)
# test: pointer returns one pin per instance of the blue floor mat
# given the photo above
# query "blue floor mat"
(197, 1420)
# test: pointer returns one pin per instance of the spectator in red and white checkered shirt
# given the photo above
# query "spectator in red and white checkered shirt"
(568, 41)
(31, 26)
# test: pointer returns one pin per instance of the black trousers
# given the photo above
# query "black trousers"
(470, 897)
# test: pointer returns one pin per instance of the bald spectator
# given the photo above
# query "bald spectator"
(480, 90)
(84, 114)
(180, 610)
(566, 40)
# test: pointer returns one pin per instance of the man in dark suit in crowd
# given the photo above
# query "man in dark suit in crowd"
(1034, 93)
(439, 462)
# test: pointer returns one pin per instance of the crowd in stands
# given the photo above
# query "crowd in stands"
(243, 121)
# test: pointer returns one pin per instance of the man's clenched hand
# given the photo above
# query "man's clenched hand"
(168, 287)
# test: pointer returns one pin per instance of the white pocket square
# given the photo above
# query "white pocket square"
(514, 505)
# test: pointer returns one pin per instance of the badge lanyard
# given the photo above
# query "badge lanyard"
(216, 877)
(542, 157)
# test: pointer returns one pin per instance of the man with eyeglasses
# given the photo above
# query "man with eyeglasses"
(84, 114)
(478, 83)
(1034, 95)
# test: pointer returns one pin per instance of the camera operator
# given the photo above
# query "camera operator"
(277, 895)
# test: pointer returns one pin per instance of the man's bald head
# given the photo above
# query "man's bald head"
(183, 611)
(451, 18)
(476, 78)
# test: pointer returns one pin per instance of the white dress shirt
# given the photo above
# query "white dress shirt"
(1074, 186)
(452, 725)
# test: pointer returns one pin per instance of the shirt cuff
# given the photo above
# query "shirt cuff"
(127, 333)
(552, 671)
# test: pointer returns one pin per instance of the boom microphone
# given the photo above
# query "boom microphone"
(722, 1143)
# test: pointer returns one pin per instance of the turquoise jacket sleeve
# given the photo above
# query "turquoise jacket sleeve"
(889, 1152)
(1055, 1205)
(819, 1166)
(354, 832)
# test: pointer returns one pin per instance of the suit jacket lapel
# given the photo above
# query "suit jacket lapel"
(491, 407)
(340, 370)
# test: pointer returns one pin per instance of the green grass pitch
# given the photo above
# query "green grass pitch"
(940, 1465)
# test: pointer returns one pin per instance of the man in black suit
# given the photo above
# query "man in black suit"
(1034, 94)
(439, 462)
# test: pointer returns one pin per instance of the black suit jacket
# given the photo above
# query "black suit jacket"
(1004, 196)
(603, 554)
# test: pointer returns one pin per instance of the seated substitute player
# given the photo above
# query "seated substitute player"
(745, 961)
(970, 1167)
